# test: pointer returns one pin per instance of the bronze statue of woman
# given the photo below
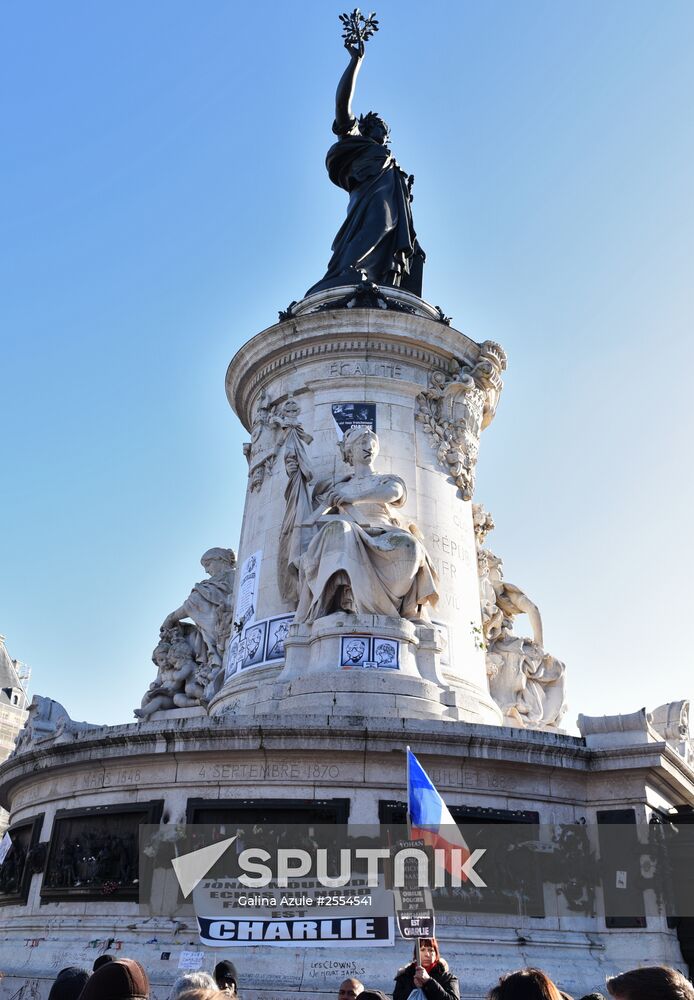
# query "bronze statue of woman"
(377, 237)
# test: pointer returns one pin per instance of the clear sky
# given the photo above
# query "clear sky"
(163, 194)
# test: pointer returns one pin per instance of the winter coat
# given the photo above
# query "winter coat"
(441, 985)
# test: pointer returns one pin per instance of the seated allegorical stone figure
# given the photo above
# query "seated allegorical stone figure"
(363, 559)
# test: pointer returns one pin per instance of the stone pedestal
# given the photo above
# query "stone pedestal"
(423, 384)
(186, 764)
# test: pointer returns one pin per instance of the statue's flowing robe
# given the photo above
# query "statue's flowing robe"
(209, 605)
(294, 533)
(363, 546)
(378, 235)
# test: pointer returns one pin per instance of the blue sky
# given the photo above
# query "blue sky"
(163, 194)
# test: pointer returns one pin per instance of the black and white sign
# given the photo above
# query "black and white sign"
(253, 645)
(277, 632)
(369, 653)
(348, 415)
(305, 914)
(248, 589)
(354, 650)
(414, 906)
(385, 653)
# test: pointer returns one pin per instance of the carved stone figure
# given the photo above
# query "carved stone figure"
(526, 682)
(294, 533)
(377, 239)
(274, 425)
(363, 559)
(261, 451)
(502, 601)
(181, 680)
(672, 722)
(47, 720)
(456, 407)
(482, 522)
(189, 653)
(209, 605)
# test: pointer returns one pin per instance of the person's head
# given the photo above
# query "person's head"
(192, 981)
(526, 984)
(123, 979)
(350, 989)
(69, 983)
(225, 974)
(203, 994)
(102, 960)
(593, 996)
(654, 982)
(373, 127)
(218, 560)
(428, 951)
(360, 446)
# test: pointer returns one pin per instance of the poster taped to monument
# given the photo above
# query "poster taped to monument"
(348, 415)
(248, 589)
(244, 613)
(305, 914)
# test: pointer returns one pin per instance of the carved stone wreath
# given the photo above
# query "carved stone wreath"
(455, 408)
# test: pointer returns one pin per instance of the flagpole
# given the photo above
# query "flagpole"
(409, 835)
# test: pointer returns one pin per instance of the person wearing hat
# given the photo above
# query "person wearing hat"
(432, 975)
(102, 960)
(124, 979)
(68, 984)
(226, 977)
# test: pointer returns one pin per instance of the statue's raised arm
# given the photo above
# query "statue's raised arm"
(377, 239)
(344, 118)
(356, 30)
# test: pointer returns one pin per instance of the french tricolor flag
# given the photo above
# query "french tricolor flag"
(431, 821)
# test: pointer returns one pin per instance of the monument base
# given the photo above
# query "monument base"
(197, 768)
(327, 670)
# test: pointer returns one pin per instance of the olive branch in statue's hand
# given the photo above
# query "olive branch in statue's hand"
(357, 29)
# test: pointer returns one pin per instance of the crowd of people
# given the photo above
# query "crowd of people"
(126, 979)
(428, 977)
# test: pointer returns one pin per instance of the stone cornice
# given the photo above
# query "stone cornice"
(371, 332)
(214, 735)
(116, 744)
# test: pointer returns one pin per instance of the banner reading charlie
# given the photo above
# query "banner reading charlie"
(302, 914)
(284, 885)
